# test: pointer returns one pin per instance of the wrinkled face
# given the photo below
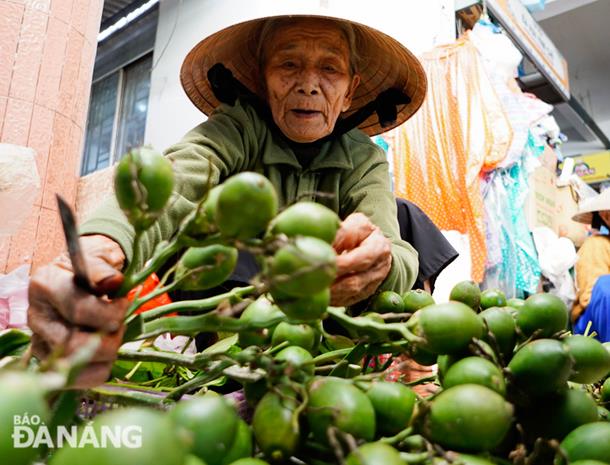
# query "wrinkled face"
(308, 78)
(605, 214)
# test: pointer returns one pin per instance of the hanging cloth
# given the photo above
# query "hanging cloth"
(460, 130)
(517, 185)
(512, 261)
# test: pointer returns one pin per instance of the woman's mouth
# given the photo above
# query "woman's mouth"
(301, 113)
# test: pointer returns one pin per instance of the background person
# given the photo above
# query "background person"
(592, 268)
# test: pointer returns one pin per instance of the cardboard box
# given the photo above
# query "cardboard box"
(566, 208)
(548, 159)
(541, 204)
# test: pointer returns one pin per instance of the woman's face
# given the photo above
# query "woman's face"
(308, 79)
(605, 214)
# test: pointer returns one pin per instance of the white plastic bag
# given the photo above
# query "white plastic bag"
(556, 256)
(167, 343)
(458, 270)
(14, 298)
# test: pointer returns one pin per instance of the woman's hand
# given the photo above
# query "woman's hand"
(364, 260)
(63, 317)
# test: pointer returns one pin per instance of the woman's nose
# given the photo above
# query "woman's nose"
(308, 83)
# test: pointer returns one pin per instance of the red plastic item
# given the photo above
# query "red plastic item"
(146, 287)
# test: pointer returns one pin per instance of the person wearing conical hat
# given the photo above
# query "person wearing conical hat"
(592, 306)
(295, 98)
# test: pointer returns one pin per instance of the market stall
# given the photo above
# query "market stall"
(283, 383)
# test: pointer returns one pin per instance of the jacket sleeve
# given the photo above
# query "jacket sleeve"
(593, 262)
(207, 155)
(366, 189)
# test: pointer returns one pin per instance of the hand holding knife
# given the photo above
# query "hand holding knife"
(65, 310)
(81, 278)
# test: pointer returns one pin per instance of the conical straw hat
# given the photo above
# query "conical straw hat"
(384, 63)
(597, 203)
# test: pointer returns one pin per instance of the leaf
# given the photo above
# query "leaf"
(345, 368)
(221, 381)
(13, 342)
(222, 346)
(145, 372)
(336, 342)
(357, 353)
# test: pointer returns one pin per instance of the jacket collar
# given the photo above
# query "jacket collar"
(333, 154)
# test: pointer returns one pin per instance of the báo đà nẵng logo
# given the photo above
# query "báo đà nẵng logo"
(31, 431)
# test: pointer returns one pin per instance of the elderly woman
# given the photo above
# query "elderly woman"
(284, 96)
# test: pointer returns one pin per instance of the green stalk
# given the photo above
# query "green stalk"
(132, 372)
(395, 347)
(125, 396)
(326, 368)
(198, 381)
(412, 458)
(332, 355)
(138, 302)
(210, 322)
(142, 386)
(338, 313)
(200, 305)
(132, 279)
(398, 437)
(424, 380)
(275, 349)
(128, 282)
(196, 361)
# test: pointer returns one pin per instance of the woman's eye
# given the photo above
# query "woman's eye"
(329, 68)
(289, 65)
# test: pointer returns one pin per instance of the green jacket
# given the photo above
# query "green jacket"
(235, 139)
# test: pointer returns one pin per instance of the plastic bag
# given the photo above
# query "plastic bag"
(458, 270)
(19, 185)
(168, 343)
(581, 190)
(14, 298)
(501, 59)
(502, 264)
(556, 256)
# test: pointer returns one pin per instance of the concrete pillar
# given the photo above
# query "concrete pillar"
(47, 51)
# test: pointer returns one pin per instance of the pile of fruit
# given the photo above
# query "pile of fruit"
(295, 380)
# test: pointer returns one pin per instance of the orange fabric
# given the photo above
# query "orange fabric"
(149, 285)
(593, 262)
(440, 152)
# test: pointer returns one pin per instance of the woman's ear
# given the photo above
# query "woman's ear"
(349, 95)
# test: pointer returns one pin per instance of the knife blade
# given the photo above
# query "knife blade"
(81, 278)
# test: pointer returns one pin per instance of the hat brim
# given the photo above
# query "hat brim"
(384, 63)
(597, 203)
(583, 217)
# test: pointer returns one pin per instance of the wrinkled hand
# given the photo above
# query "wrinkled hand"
(363, 260)
(64, 317)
